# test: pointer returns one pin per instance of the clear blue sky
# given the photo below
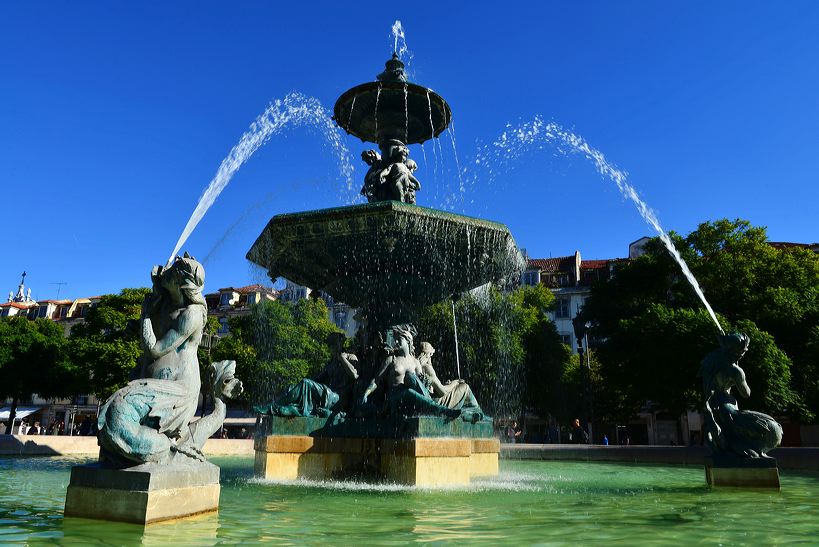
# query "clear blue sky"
(115, 116)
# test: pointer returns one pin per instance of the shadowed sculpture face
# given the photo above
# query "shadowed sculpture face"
(225, 383)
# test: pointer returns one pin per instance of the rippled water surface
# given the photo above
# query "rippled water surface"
(547, 503)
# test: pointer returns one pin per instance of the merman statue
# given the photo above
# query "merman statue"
(731, 432)
(149, 420)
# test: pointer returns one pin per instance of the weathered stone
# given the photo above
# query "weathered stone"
(483, 446)
(386, 428)
(484, 464)
(426, 471)
(758, 473)
(429, 461)
(425, 448)
(143, 494)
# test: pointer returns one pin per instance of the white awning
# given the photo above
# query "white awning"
(240, 421)
(22, 412)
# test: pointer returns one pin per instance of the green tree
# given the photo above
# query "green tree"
(105, 348)
(33, 360)
(654, 331)
(203, 353)
(276, 345)
(546, 358)
(510, 353)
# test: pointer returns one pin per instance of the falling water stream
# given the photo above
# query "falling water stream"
(293, 110)
(516, 140)
(296, 109)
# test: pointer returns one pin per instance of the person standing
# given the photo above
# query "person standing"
(578, 434)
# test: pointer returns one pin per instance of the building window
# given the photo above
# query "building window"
(223, 325)
(562, 308)
(531, 278)
(42, 311)
(251, 299)
(63, 311)
(566, 339)
(4, 313)
(224, 300)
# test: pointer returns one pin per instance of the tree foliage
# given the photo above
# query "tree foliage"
(105, 348)
(654, 331)
(33, 360)
(509, 350)
(276, 345)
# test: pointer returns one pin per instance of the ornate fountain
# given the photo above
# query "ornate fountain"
(382, 410)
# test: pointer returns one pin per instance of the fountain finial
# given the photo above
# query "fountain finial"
(394, 71)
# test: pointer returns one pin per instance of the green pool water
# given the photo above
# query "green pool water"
(547, 503)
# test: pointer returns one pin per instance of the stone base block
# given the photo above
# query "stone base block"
(426, 472)
(752, 473)
(426, 461)
(143, 494)
(484, 461)
(429, 461)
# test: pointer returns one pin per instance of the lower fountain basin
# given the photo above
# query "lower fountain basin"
(530, 502)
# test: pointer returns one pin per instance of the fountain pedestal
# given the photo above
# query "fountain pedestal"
(143, 494)
(745, 473)
(440, 453)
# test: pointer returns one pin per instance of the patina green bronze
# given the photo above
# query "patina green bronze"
(388, 258)
(392, 113)
(149, 420)
(734, 436)
(331, 392)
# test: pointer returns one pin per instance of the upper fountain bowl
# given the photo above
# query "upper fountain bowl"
(392, 108)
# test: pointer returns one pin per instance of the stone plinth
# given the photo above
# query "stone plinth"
(422, 451)
(742, 473)
(483, 459)
(427, 462)
(143, 494)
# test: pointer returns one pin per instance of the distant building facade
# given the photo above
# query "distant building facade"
(570, 278)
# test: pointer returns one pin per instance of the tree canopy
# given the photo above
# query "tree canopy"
(276, 345)
(33, 360)
(510, 353)
(652, 330)
(105, 348)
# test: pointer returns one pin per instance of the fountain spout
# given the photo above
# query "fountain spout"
(394, 71)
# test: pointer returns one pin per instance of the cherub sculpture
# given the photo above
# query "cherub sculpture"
(372, 181)
(396, 177)
(390, 177)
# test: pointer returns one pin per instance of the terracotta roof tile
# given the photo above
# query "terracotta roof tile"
(787, 244)
(594, 264)
(18, 305)
(557, 264)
